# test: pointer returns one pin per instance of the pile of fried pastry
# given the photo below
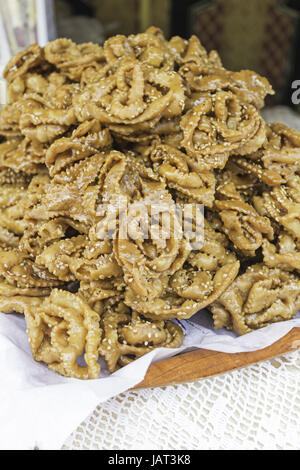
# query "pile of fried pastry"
(143, 119)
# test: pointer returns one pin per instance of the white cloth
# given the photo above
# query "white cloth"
(256, 407)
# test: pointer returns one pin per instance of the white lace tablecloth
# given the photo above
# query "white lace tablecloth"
(253, 408)
(257, 407)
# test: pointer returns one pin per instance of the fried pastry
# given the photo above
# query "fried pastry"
(128, 337)
(257, 298)
(108, 156)
(60, 330)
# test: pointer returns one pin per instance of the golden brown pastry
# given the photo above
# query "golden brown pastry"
(257, 298)
(128, 337)
(108, 155)
(60, 330)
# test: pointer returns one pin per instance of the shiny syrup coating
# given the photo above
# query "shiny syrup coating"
(138, 123)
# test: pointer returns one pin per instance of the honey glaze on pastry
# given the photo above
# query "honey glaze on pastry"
(92, 140)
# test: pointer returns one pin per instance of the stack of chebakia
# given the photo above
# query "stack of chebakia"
(149, 122)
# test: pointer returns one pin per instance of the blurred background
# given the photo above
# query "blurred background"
(263, 35)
